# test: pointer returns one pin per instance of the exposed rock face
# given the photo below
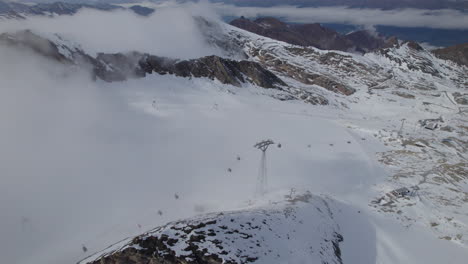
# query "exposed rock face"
(304, 222)
(302, 75)
(331, 85)
(458, 54)
(416, 58)
(120, 66)
(461, 98)
(414, 45)
(213, 67)
(311, 35)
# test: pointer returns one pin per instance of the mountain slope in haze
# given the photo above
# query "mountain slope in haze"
(113, 67)
(119, 66)
(311, 35)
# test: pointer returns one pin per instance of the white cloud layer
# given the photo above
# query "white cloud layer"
(444, 19)
(169, 31)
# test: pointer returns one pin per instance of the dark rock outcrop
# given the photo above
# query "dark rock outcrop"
(224, 70)
(457, 54)
(415, 46)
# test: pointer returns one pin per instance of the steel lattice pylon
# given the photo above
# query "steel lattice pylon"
(262, 181)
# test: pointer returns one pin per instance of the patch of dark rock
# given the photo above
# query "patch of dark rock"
(461, 98)
(224, 70)
(414, 45)
(197, 238)
(404, 95)
(457, 54)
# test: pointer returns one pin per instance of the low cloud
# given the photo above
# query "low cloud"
(169, 31)
(79, 165)
(443, 19)
(82, 165)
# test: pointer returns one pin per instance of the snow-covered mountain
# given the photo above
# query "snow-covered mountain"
(376, 143)
(299, 228)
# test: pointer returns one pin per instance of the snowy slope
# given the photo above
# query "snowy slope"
(299, 229)
(396, 89)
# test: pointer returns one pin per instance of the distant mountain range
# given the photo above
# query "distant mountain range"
(314, 35)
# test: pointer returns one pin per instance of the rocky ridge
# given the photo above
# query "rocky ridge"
(314, 35)
(120, 66)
